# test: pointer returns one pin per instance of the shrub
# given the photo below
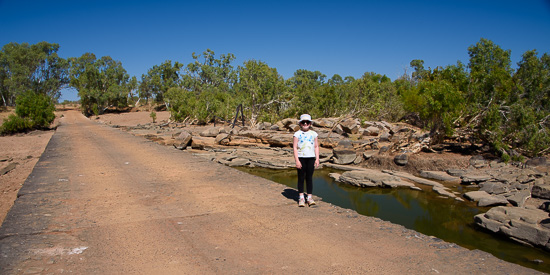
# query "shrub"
(32, 111)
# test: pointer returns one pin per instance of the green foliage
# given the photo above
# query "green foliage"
(32, 111)
(100, 83)
(259, 88)
(37, 68)
(153, 115)
(15, 124)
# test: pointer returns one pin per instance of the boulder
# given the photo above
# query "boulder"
(525, 225)
(338, 129)
(344, 153)
(519, 198)
(371, 131)
(384, 137)
(182, 140)
(401, 159)
(541, 191)
(210, 132)
(202, 143)
(222, 139)
(280, 140)
(494, 188)
(350, 126)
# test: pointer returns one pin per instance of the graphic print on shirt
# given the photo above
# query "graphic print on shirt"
(306, 142)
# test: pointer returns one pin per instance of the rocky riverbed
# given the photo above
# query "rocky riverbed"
(375, 154)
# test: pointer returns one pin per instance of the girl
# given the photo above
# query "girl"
(306, 155)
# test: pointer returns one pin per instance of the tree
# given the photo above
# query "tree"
(490, 73)
(259, 88)
(212, 81)
(37, 67)
(301, 92)
(159, 79)
(100, 83)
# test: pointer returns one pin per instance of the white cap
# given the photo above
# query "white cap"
(305, 117)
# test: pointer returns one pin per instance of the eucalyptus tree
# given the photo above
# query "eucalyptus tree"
(259, 89)
(36, 68)
(489, 90)
(529, 121)
(212, 80)
(302, 87)
(100, 83)
(159, 79)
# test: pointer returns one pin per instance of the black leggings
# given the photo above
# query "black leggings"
(306, 173)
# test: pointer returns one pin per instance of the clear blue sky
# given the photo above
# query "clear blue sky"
(341, 37)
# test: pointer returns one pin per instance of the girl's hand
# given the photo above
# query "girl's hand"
(316, 163)
(298, 165)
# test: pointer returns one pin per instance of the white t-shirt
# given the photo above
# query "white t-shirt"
(306, 143)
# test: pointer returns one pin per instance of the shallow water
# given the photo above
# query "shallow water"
(423, 211)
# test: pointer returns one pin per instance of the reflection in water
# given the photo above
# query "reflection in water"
(423, 211)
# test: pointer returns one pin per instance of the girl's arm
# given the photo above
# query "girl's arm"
(316, 144)
(295, 148)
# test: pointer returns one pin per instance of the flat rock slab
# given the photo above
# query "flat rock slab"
(440, 175)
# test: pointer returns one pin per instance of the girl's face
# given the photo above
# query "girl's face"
(305, 124)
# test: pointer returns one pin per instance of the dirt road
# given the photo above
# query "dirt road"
(102, 201)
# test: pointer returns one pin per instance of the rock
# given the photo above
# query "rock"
(401, 159)
(210, 132)
(8, 168)
(518, 198)
(457, 172)
(478, 162)
(338, 129)
(350, 126)
(202, 143)
(384, 137)
(545, 206)
(365, 178)
(485, 199)
(476, 195)
(517, 223)
(344, 156)
(294, 127)
(439, 175)
(280, 140)
(492, 201)
(371, 131)
(413, 178)
(475, 178)
(534, 162)
(222, 139)
(344, 153)
(182, 140)
(541, 191)
(397, 183)
(443, 192)
(238, 162)
(494, 188)
(274, 127)
(368, 154)
(335, 176)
